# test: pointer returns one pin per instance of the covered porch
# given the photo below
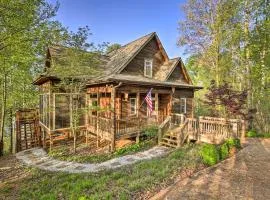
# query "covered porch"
(120, 111)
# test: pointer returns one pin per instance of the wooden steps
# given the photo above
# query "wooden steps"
(169, 140)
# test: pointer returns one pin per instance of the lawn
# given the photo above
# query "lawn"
(132, 182)
(62, 153)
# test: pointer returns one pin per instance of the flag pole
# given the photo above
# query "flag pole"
(144, 98)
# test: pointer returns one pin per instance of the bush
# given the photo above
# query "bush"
(224, 151)
(252, 133)
(151, 132)
(266, 135)
(209, 154)
(233, 142)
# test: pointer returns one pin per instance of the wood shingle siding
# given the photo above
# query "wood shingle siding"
(150, 51)
(177, 75)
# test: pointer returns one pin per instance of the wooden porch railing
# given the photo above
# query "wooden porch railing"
(122, 126)
(130, 125)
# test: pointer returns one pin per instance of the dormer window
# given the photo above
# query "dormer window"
(148, 63)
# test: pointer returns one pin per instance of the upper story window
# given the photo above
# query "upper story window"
(148, 65)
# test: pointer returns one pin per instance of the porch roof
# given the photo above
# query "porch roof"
(141, 80)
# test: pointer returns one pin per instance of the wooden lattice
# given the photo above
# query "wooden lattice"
(27, 129)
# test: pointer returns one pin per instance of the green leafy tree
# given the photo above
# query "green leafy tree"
(25, 26)
(228, 41)
(112, 47)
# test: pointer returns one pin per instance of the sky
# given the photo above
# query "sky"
(122, 21)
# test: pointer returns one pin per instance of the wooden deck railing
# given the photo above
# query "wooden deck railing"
(215, 127)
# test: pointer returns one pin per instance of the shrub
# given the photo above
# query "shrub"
(266, 135)
(233, 142)
(209, 154)
(252, 133)
(224, 151)
(151, 132)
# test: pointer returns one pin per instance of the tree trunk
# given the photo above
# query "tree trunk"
(3, 115)
(11, 130)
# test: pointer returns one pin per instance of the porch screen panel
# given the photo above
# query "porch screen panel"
(62, 111)
(44, 105)
(78, 108)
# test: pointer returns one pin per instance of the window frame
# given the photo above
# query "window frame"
(132, 113)
(185, 105)
(146, 60)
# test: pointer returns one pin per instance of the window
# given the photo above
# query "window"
(148, 67)
(183, 105)
(133, 106)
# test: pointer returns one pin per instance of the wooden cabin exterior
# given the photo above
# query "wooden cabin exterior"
(115, 98)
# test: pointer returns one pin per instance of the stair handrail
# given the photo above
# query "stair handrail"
(183, 133)
(163, 127)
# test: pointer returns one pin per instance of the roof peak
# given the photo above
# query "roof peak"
(147, 35)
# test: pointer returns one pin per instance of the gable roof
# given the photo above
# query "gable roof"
(114, 62)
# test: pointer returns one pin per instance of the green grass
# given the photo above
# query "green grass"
(61, 153)
(254, 134)
(124, 183)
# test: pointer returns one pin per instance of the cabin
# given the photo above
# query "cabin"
(115, 98)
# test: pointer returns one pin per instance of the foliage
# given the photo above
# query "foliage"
(212, 154)
(233, 142)
(151, 132)
(26, 28)
(224, 95)
(253, 133)
(209, 154)
(62, 153)
(224, 151)
(125, 183)
(228, 41)
(227, 146)
(112, 48)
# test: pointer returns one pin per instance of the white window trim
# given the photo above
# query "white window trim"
(135, 106)
(185, 105)
(151, 72)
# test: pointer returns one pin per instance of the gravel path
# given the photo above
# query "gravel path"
(243, 176)
(37, 157)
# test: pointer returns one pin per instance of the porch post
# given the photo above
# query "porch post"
(113, 118)
(137, 103)
(156, 106)
(98, 104)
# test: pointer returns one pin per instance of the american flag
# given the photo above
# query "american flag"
(148, 100)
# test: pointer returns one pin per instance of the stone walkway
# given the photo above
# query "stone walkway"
(243, 176)
(37, 157)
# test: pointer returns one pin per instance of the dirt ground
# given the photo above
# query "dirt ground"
(11, 170)
(243, 176)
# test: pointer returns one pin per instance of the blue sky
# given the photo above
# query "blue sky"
(121, 21)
